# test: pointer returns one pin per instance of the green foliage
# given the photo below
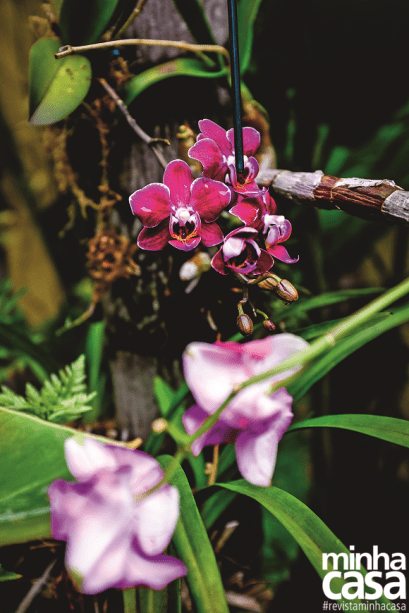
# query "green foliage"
(246, 14)
(57, 87)
(6, 575)
(194, 15)
(179, 67)
(82, 23)
(61, 399)
(193, 547)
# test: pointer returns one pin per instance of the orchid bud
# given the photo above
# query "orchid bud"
(269, 283)
(286, 291)
(245, 324)
(269, 325)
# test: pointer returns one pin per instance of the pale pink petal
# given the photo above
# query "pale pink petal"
(151, 204)
(251, 140)
(211, 372)
(186, 245)
(209, 155)
(155, 520)
(211, 130)
(154, 239)
(282, 347)
(233, 247)
(218, 263)
(211, 234)
(178, 178)
(281, 253)
(256, 456)
(67, 501)
(209, 198)
(155, 572)
(146, 472)
(221, 432)
(87, 458)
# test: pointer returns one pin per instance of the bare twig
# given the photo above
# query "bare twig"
(126, 42)
(378, 199)
(35, 588)
(152, 142)
(135, 13)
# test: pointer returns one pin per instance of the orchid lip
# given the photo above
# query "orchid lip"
(184, 225)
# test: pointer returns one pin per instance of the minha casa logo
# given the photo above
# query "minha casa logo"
(384, 575)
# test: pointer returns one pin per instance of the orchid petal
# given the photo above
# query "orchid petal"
(155, 520)
(151, 204)
(185, 245)
(84, 460)
(210, 129)
(248, 210)
(155, 572)
(178, 178)
(211, 234)
(251, 140)
(233, 247)
(256, 456)
(281, 253)
(264, 263)
(209, 155)
(209, 198)
(218, 263)
(221, 432)
(154, 239)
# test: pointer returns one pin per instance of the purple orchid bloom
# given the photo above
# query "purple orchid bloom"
(260, 213)
(254, 421)
(214, 149)
(174, 211)
(113, 540)
(240, 253)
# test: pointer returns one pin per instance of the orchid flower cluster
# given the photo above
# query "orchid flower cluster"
(182, 211)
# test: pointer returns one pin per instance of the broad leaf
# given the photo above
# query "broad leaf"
(194, 549)
(180, 67)
(82, 23)
(246, 14)
(57, 87)
(386, 428)
(194, 15)
(310, 532)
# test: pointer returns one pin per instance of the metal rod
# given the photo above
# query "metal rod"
(235, 84)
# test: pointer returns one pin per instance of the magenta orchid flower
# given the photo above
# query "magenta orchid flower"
(180, 211)
(254, 421)
(260, 213)
(214, 149)
(240, 253)
(113, 540)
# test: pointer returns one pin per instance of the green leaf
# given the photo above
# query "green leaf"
(246, 14)
(194, 15)
(94, 345)
(310, 532)
(343, 348)
(82, 23)
(389, 429)
(57, 87)
(5, 575)
(194, 549)
(152, 601)
(189, 67)
(164, 395)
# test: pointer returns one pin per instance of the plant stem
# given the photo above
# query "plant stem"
(129, 596)
(129, 42)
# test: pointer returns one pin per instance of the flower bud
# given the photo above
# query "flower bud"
(286, 291)
(159, 425)
(269, 325)
(269, 283)
(245, 324)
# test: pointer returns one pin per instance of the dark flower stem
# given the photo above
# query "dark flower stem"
(235, 85)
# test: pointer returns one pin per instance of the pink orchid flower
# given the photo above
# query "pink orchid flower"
(180, 211)
(254, 421)
(214, 149)
(240, 253)
(260, 213)
(112, 540)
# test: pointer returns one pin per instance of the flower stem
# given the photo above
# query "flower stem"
(129, 596)
(323, 343)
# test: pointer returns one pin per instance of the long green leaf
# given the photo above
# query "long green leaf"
(246, 14)
(389, 429)
(194, 549)
(188, 67)
(311, 373)
(57, 87)
(310, 532)
(194, 15)
(82, 23)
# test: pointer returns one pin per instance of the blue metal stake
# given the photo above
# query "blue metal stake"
(235, 84)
